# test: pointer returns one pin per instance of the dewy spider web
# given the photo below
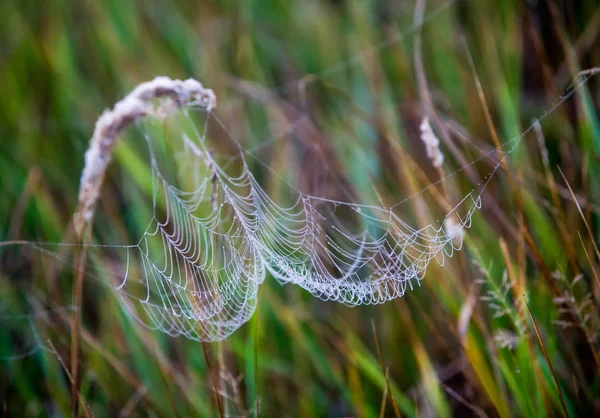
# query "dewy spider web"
(198, 266)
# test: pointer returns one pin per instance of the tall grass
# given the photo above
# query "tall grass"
(508, 327)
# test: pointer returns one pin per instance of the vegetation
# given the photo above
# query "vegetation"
(507, 327)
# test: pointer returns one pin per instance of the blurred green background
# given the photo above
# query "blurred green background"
(465, 343)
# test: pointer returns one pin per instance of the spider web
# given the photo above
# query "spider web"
(213, 237)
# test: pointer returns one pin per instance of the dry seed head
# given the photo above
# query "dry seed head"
(139, 103)
(432, 143)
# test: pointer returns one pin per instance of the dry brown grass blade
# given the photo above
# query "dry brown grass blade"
(385, 371)
(132, 402)
(66, 370)
(595, 246)
(552, 186)
(213, 379)
(589, 260)
(255, 349)
(496, 140)
(384, 396)
(80, 264)
(222, 374)
(539, 338)
(585, 222)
